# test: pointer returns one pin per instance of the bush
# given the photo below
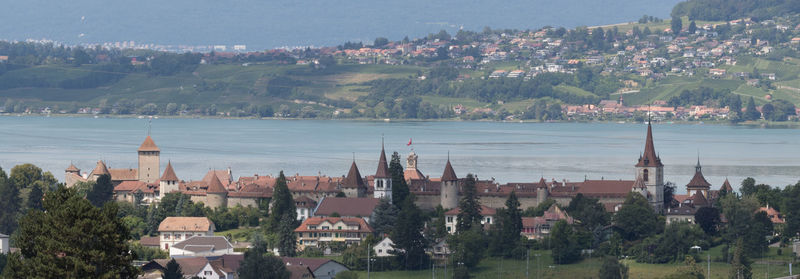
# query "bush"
(347, 275)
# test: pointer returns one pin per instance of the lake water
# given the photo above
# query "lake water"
(509, 152)
(264, 24)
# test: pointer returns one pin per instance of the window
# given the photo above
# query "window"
(339, 228)
(166, 236)
(449, 219)
(177, 236)
(206, 272)
(325, 228)
(645, 175)
(448, 229)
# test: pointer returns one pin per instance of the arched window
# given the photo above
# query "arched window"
(645, 175)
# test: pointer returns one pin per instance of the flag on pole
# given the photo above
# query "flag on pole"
(409, 142)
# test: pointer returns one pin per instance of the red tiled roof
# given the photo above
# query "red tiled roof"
(151, 241)
(649, 158)
(148, 145)
(252, 191)
(169, 173)
(773, 215)
(215, 186)
(698, 181)
(449, 174)
(605, 187)
(222, 175)
(311, 263)
(188, 224)
(305, 202)
(353, 179)
(413, 174)
(316, 220)
(123, 174)
(383, 167)
(72, 168)
(726, 186)
(361, 207)
(100, 169)
(129, 186)
(699, 200)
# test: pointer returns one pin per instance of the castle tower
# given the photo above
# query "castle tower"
(651, 171)
(72, 175)
(353, 185)
(411, 172)
(216, 195)
(449, 189)
(149, 161)
(383, 178)
(542, 192)
(698, 184)
(168, 182)
(411, 161)
(99, 169)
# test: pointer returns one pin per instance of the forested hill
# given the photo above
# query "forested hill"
(735, 9)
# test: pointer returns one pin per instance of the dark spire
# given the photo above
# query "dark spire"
(353, 179)
(383, 167)
(649, 158)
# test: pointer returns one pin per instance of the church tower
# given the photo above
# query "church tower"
(149, 161)
(353, 184)
(168, 182)
(383, 178)
(651, 171)
(698, 184)
(449, 189)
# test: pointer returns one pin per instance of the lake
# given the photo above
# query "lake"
(268, 24)
(509, 152)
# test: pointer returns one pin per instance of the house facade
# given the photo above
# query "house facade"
(321, 231)
(176, 229)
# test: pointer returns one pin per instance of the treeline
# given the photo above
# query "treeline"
(734, 9)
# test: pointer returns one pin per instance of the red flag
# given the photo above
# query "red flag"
(409, 142)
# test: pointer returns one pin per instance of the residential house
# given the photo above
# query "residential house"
(321, 231)
(202, 246)
(383, 248)
(321, 268)
(176, 229)
(4, 245)
(539, 227)
(305, 207)
(451, 217)
(224, 267)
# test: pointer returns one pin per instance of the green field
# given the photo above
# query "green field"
(543, 267)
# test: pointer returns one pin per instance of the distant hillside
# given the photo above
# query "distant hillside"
(735, 9)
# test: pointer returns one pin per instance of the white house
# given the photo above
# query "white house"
(176, 229)
(202, 246)
(451, 218)
(383, 248)
(321, 267)
(4, 244)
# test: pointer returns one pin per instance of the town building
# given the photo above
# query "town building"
(176, 229)
(346, 207)
(305, 207)
(539, 227)
(201, 246)
(384, 248)
(321, 231)
(321, 267)
(451, 218)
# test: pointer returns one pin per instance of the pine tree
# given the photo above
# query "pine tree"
(287, 244)
(71, 238)
(283, 203)
(409, 243)
(172, 270)
(740, 265)
(399, 186)
(677, 25)
(470, 208)
(383, 218)
(613, 269)
(35, 197)
(692, 27)
(102, 191)
(751, 113)
(257, 264)
(9, 204)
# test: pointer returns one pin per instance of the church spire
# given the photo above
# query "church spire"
(649, 158)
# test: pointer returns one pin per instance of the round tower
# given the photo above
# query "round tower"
(542, 193)
(216, 195)
(449, 189)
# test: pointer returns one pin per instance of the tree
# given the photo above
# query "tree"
(748, 186)
(690, 271)
(383, 218)
(636, 219)
(35, 197)
(740, 264)
(71, 238)
(792, 209)
(742, 224)
(9, 204)
(380, 42)
(708, 218)
(409, 243)
(399, 187)
(23, 176)
(258, 264)
(564, 243)
(612, 269)
(504, 236)
(172, 270)
(751, 113)
(467, 247)
(102, 191)
(588, 211)
(469, 208)
(692, 27)
(282, 203)
(676, 25)
(540, 208)
(287, 243)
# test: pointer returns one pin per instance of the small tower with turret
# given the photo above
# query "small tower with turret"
(168, 182)
(99, 169)
(698, 184)
(383, 178)
(353, 184)
(216, 195)
(449, 189)
(149, 161)
(542, 192)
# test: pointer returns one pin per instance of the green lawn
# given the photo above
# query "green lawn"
(240, 234)
(588, 268)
